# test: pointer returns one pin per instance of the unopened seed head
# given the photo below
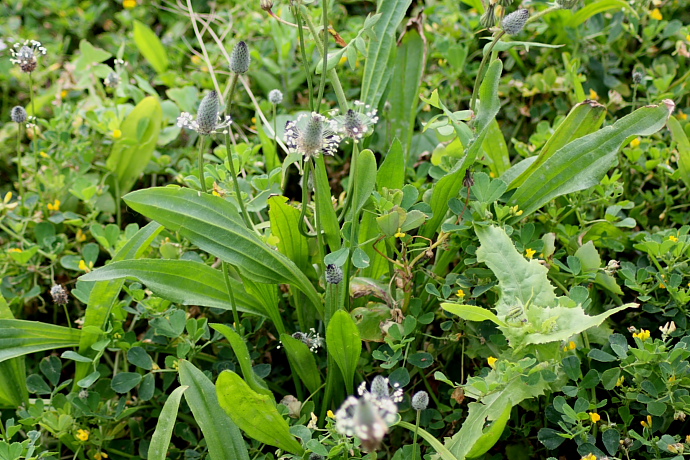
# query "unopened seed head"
(240, 59)
(420, 400)
(18, 114)
(275, 96)
(207, 118)
(334, 274)
(515, 21)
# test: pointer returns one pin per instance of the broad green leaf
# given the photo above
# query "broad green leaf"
(254, 413)
(150, 46)
(598, 7)
(132, 152)
(302, 361)
(242, 354)
(284, 224)
(491, 435)
(583, 162)
(449, 185)
(158, 449)
(19, 337)
(410, 61)
(90, 55)
(13, 390)
(365, 179)
(344, 345)
(267, 296)
(214, 225)
(496, 150)
(184, 282)
(683, 146)
(139, 357)
(125, 381)
(327, 218)
(583, 119)
(222, 436)
(391, 173)
(472, 313)
(376, 74)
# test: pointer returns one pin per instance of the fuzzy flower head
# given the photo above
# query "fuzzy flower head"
(112, 80)
(310, 135)
(59, 295)
(208, 120)
(239, 58)
(25, 54)
(357, 123)
(312, 339)
(369, 416)
(18, 114)
(515, 21)
(275, 96)
(334, 274)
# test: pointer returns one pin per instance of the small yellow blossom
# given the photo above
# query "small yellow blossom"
(400, 234)
(687, 438)
(593, 95)
(80, 236)
(619, 382)
(7, 198)
(63, 93)
(82, 435)
(196, 59)
(215, 193)
(460, 294)
(672, 379)
(662, 285)
(516, 210)
(83, 266)
(642, 335)
(330, 414)
(594, 417)
(589, 457)
(117, 133)
(100, 455)
(54, 206)
(635, 142)
(129, 4)
(343, 60)
(492, 175)
(681, 115)
(14, 250)
(529, 253)
(673, 238)
(647, 423)
(571, 346)
(492, 362)
(656, 14)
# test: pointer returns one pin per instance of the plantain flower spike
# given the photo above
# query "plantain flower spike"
(515, 21)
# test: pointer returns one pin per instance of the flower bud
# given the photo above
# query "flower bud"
(239, 59)
(18, 114)
(637, 76)
(420, 400)
(334, 274)
(59, 295)
(266, 5)
(515, 21)
(207, 117)
(275, 96)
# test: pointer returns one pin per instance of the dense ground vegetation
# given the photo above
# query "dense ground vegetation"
(441, 229)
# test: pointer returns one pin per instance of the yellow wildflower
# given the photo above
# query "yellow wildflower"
(117, 133)
(196, 60)
(14, 250)
(343, 60)
(44, 155)
(80, 236)
(619, 382)
(54, 206)
(570, 346)
(82, 435)
(330, 414)
(516, 210)
(594, 417)
(635, 142)
(129, 4)
(84, 267)
(673, 238)
(529, 253)
(492, 362)
(687, 438)
(656, 14)
(63, 93)
(642, 335)
(461, 293)
(593, 95)
(589, 457)
(100, 455)
(400, 234)
(492, 175)
(672, 379)
(7, 198)
(681, 115)
(647, 423)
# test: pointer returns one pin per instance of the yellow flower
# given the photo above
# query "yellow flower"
(400, 234)
(529, 253)
(619, 382)
(343, 60)
(330, 414)
(100, 455)
(196, 60)
(83, 266)
(594, 417)
(492, 175)
(82, 435)
(44, 155)
(8, 197)
(129, 4)
(54, 206)
(589, 457)
(64, 93)
(647, 423)
(642, 335)
(117, 133)
(14, 250)
(80, 236)
(673, 238)
(492, 362)
(460, 294)
(672, 378)
(635, 142)
(656, 14)
(593, 95)
(516, 211)
(571, 346)
(681, 115)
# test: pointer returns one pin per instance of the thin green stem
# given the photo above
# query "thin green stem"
(414, 438)
(302, 226)
(202, 180)
(236, 183)
(324, 56)
(480, 76)
(354, 233)
(24, 241)
(20, 173)
(118, 201)
(233, 86)
(33, 113)
(300, 30)
(231, 294)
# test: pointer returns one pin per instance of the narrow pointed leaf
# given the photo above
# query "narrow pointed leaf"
(472, 313)
(158, 449)
(302, 361)
(19, 337)
(344, 345)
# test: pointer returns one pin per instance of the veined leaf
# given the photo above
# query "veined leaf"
(158, 449)
(683, 145)
(344, 345)
(214, 225)
(254, 413)
(181, 281)
(325, 213)
(596, 8)
(472, 313)
(284, 223)
(391, 173)
(150, 46)
(365, 179)
(13, 389)
(222, 436)
(19, 337)
(583, 162)
(302, 361)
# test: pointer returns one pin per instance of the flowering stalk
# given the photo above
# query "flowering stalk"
(300, 30)
(33, 112)
(324, 54)
(202, 179)
(19, 116)
(233, 304)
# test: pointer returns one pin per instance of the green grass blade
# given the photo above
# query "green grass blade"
(158, 449)
(13, 390)
(344, 345)
(683, 146)
(19, 337)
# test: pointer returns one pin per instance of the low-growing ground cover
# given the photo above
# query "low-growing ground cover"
(435, 230)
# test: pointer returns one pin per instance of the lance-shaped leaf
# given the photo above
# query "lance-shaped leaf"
(583, 162)
(13, 389)
(19, 337)
(158, 449)
(215, 225)
(344, 345)
(254, 413)
(302, 361)
(683, 146)
(181, 281)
